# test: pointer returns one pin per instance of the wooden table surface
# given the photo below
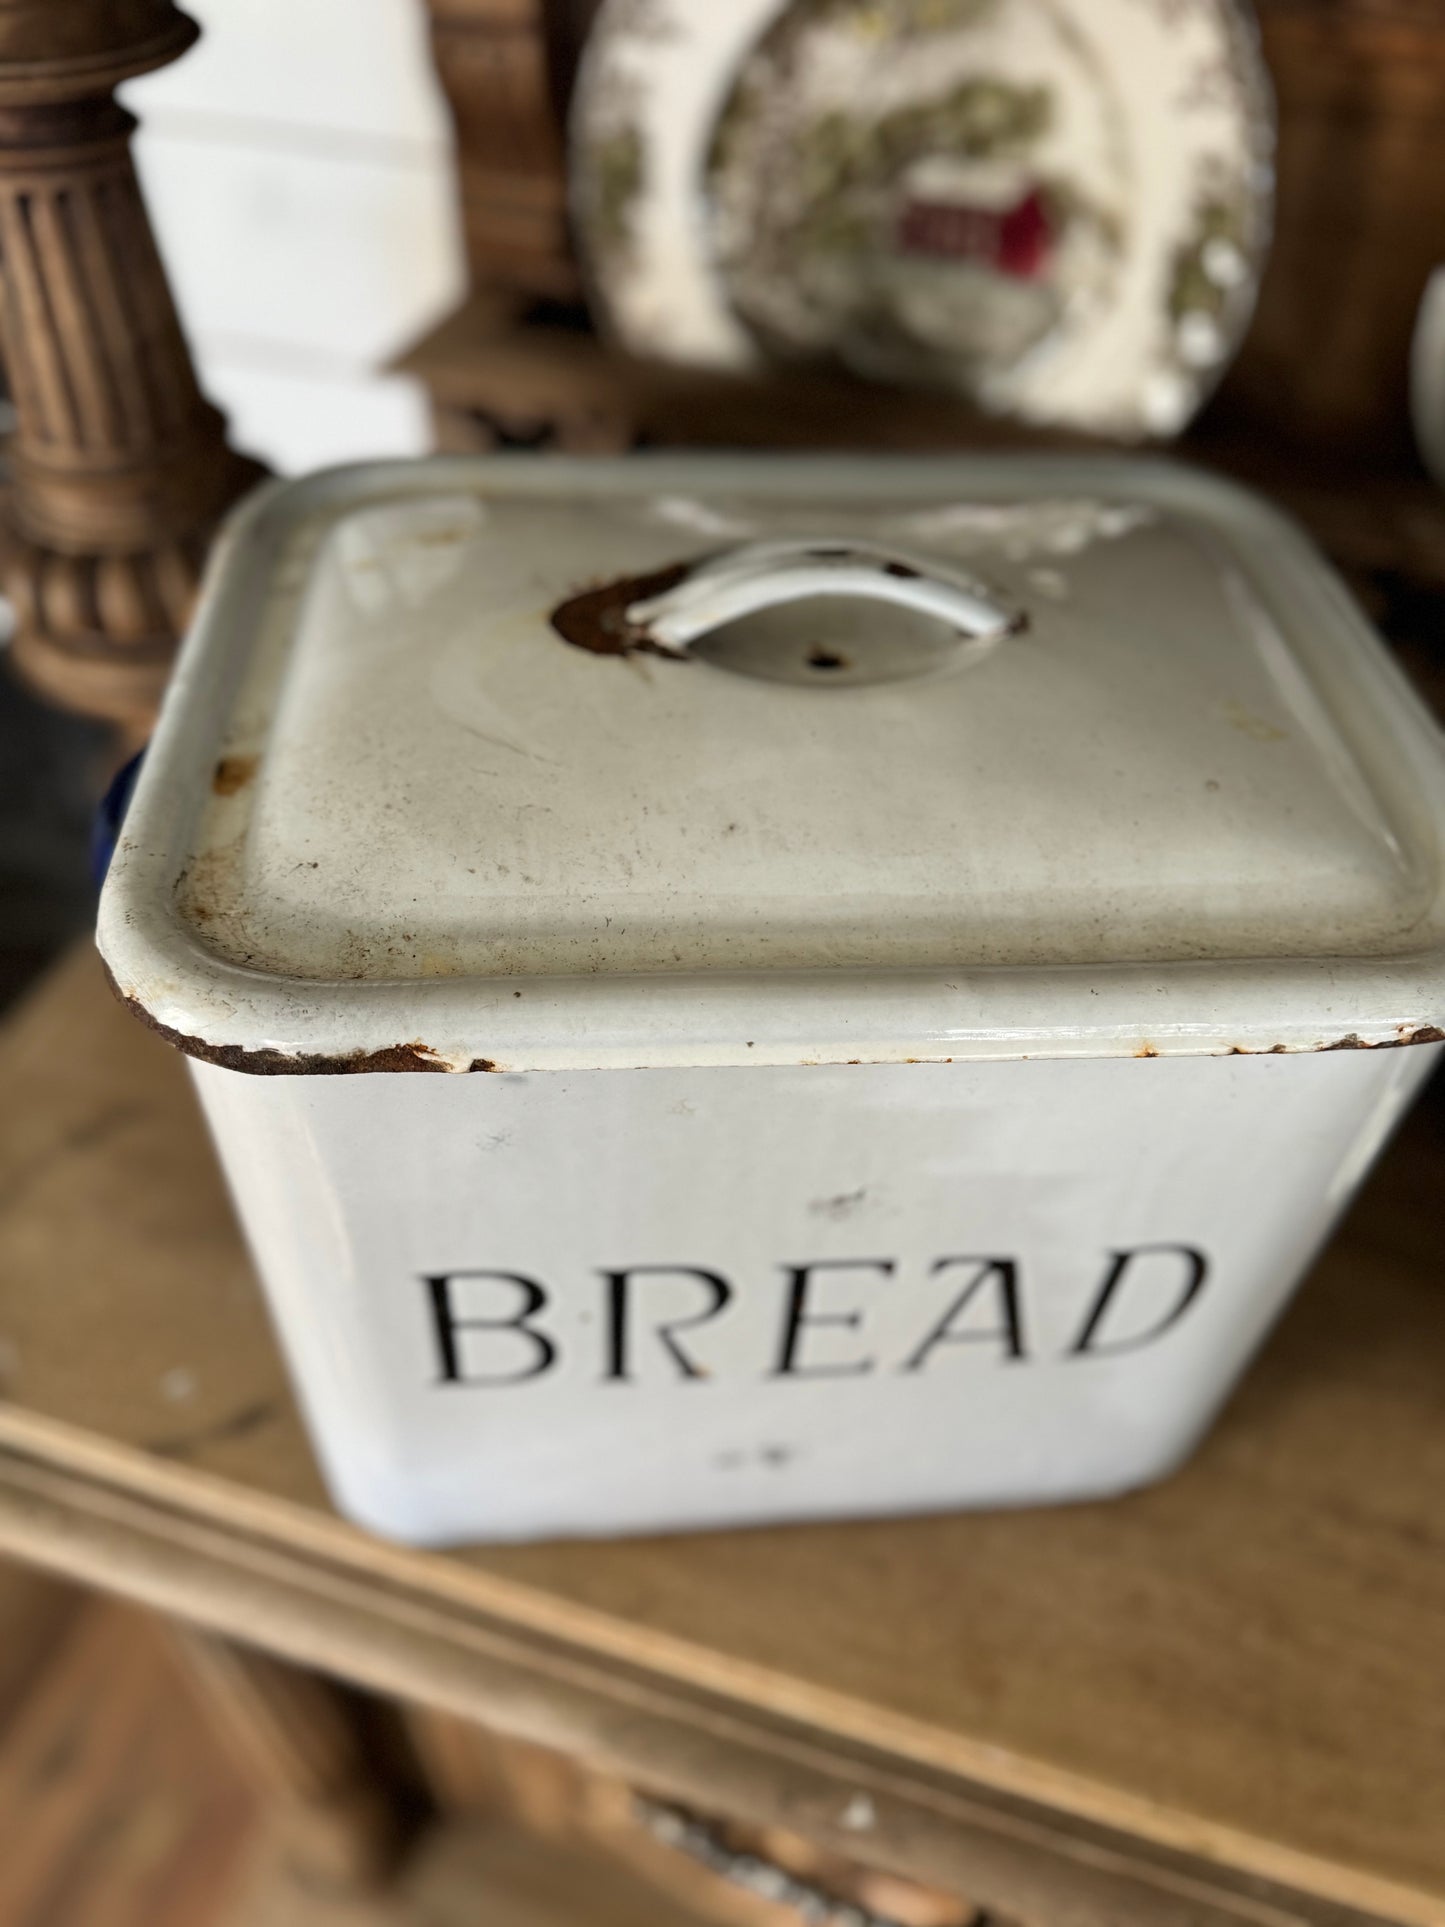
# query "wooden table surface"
(1217, 1700)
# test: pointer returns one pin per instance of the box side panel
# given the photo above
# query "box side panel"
(520, 1306)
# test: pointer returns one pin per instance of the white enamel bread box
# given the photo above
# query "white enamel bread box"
(909, 956)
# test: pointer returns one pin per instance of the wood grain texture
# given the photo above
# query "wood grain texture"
(120, 1807)
(120, 466)
(1215, 1700)
(117, 1807)
(504, 67)
(1359, 222)
(36, 1617)
(295, 1736)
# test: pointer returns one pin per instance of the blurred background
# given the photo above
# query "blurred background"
(365, 212)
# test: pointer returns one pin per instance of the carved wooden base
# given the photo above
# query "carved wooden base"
(119, 467)
(97, 632)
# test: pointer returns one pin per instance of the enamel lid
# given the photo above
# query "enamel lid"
(529, 763)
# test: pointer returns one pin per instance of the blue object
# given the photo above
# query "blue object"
(105, 831)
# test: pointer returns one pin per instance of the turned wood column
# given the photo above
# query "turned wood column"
(119, 467)
(506, 67)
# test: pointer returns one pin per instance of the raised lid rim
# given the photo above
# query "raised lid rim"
(243, 1019)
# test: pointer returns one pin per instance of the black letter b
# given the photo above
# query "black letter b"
(449, 1328)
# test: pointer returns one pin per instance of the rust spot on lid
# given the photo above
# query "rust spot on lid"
(1407, 1034)
(596, 620)
(1146, 1050)
(414, 1056)
(233, 773)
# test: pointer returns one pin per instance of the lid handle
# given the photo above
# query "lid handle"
(764, 575)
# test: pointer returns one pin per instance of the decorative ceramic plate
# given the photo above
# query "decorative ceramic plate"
(1059, 207)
